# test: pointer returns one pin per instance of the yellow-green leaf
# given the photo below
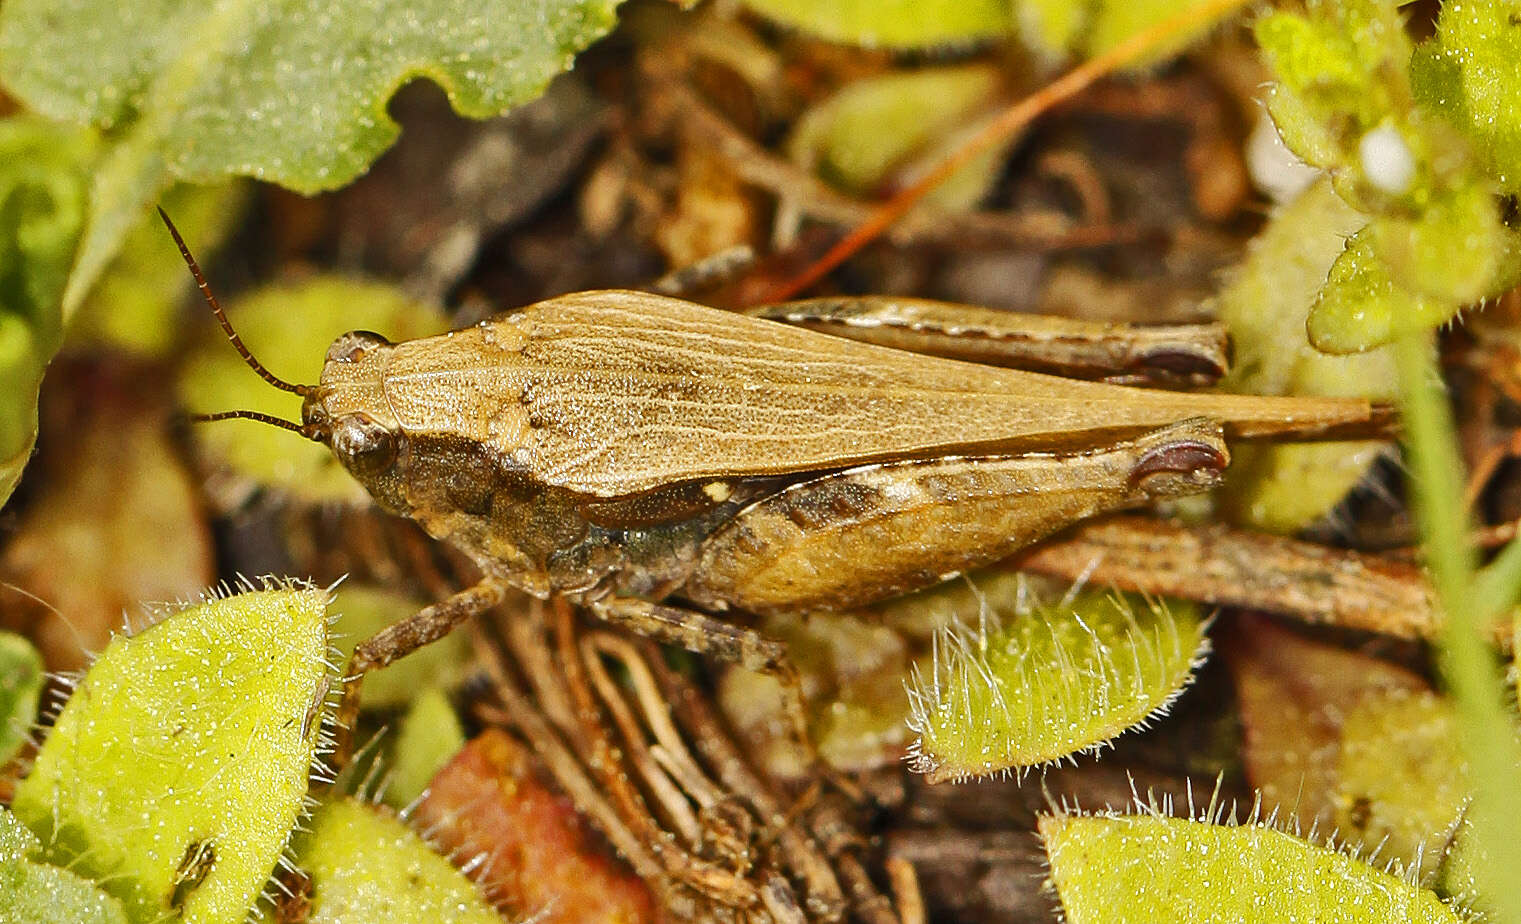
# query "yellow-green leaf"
(429, 737)
(1119, 869)
(1048, 681)
(1361, 306)
(365, 865)
(1265, 304)
(175, 772)
(861, 136)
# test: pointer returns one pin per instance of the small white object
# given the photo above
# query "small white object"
(1274, 169)
(1387, 161)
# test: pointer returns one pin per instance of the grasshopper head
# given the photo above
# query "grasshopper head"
(348, 411)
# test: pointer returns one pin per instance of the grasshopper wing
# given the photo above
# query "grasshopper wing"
(615, 393)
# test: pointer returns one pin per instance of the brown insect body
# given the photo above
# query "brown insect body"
(618, 443)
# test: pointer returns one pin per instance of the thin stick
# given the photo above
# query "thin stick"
(1005, 125)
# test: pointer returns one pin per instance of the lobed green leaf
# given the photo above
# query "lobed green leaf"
(293, 93)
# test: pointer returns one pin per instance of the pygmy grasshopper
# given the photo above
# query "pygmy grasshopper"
(622, 449)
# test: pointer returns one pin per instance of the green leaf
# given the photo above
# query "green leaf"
(429, 737)
(1362, 307)
(1062, 677)
(1452, 250)
(20, 686)
(175, 772)
(1341, 71)
(39, 893)
(42, 208)
(861, 136)
(1119, 869)
(289, 329)
(366, 865)
(892, 23)
(293, 93)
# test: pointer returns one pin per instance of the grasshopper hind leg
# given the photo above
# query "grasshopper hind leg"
(702, 634)
(400, 639)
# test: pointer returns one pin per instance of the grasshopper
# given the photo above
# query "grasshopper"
(661, 463)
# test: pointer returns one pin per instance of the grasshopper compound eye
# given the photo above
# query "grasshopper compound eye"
(362, 445)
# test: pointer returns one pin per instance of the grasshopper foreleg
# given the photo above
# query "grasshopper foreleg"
(423, 627)
(702, 634)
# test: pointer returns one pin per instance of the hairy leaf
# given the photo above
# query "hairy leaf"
(366, 865)
(1145, 868)
(176, 770)
(1048, 680)
(1265, 304)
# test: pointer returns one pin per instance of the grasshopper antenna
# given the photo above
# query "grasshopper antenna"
(237, 342)
(232, 335)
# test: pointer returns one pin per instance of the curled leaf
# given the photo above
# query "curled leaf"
(1048, 680)
(20, 686)
(42, 209)
(1119, 869)
(176, 770)
(860, 137)
(366, 865)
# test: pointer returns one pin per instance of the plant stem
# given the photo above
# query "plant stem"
(1468, 666)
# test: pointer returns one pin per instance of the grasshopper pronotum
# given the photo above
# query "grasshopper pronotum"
(621, 450)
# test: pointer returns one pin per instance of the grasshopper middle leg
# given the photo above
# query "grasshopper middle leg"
(423, 627)
(702, 634)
